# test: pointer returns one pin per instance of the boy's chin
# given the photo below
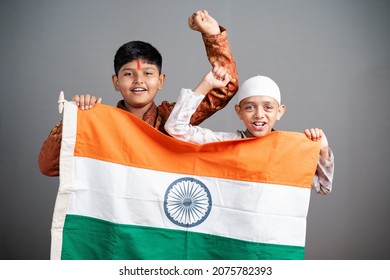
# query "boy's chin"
(260, 133)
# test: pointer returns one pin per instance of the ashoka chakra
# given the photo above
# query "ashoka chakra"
(187, 202)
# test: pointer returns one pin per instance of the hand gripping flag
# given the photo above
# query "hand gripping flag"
(127, 191)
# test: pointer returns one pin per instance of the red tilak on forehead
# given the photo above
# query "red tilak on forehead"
(138, 64)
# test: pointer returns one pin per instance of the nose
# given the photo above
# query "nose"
(138, 79)
(259, 113)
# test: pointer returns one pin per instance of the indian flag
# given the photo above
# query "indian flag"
(127, 191)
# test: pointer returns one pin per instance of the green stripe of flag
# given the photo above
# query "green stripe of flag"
(91, 239)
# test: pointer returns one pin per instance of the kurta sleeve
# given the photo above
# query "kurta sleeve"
(49, 155)
(219, 54)
(178, 124)
(322, 182)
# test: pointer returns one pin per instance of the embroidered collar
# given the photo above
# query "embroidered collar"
(149, 117)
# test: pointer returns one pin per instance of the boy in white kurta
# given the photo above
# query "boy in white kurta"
(259, 108)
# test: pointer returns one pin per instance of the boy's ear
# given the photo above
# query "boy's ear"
(238, 111)
(115, 82)
(281, 110)
(161, 81)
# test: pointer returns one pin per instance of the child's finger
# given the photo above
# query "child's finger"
(201, 14)
(313, 132)
(82, 104)
(87, 101)
(220, 72)
(317, 133)
(92, 102)
(226, 78)
(205, 14)
(217, 69)
(217, 73)
(76, 99)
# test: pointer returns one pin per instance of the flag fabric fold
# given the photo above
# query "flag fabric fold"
(127, 191)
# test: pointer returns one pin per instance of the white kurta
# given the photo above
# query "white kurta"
(178, 126)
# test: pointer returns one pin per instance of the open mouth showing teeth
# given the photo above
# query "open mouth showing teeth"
(259, 124)
(138, 89)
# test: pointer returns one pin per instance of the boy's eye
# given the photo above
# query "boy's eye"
(248, 107)
(128, 74)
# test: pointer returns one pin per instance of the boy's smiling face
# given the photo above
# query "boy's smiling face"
(259, 114)
(138, 83)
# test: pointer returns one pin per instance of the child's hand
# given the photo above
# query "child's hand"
(316, 134)
(86, 102)
(218, 77)
(201, 21)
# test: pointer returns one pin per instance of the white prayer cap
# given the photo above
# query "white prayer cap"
(259, 85)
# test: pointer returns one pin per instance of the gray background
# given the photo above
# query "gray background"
(330, 58)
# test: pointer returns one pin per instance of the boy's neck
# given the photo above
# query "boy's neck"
(249, 135)
(138, 112)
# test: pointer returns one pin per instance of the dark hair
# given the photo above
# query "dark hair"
(137, 50)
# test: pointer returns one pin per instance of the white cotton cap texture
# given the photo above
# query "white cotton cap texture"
(259, 85)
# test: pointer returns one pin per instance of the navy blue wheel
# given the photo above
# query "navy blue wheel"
(187, 202)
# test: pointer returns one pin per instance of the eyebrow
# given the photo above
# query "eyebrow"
(143, 68)
(260, 103)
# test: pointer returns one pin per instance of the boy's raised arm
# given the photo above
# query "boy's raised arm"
(219, 54)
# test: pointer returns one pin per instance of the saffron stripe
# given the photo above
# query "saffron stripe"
(257, 159)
